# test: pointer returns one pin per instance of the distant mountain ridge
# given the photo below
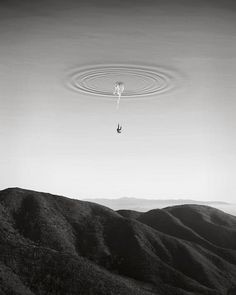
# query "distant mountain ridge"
(55, 245)
(149, 204)
(157, 201)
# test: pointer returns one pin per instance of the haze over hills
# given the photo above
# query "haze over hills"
(55, 245)
(149, 204)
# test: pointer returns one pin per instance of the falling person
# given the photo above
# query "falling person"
(119, 128)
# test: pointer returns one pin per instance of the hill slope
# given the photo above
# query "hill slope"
(55, 245)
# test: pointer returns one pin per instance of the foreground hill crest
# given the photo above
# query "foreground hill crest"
(55, 245)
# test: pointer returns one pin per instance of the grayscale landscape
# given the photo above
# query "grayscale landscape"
(117, 147)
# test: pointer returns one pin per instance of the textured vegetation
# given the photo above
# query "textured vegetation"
(55, 245)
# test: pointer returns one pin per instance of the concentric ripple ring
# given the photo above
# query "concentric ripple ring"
(139, 80)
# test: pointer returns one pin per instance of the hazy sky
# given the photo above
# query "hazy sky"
(179, 145)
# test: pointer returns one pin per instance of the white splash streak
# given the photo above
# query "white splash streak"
(119, 88)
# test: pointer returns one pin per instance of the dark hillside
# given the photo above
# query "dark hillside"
(55, 245)
(212, 224)
(129, 213)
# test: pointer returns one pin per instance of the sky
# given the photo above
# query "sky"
(180, 144)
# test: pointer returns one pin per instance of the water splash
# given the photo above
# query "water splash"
(141, 81)
(118, 90)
